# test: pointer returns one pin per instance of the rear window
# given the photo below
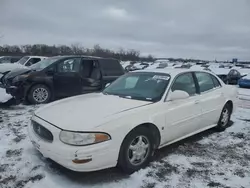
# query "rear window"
(111, 67)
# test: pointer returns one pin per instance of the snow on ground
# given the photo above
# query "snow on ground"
(210, 159)
(4, 97)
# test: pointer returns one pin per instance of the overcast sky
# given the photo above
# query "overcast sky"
(206, 29)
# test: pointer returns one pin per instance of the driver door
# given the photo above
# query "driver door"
(67, 79)
(182, 116)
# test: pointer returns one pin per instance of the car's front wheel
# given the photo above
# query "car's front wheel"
(136, 151)
(39, 94)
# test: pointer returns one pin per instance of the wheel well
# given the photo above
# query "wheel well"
(38, 83)
(230, 103)
(153, 129)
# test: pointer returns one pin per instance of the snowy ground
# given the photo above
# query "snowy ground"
(4, 97)
(209, 159)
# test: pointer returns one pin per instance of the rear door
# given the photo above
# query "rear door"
(67, 79)
(211, 98)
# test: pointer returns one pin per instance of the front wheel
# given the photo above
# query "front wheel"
(136, 150)
(39, 94)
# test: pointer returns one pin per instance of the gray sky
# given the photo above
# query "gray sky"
(206, 29)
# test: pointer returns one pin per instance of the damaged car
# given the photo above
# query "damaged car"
(61, 76)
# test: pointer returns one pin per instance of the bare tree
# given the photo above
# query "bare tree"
(48, 50)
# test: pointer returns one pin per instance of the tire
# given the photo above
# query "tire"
(224, 118)
(127, 153)
(35, 98)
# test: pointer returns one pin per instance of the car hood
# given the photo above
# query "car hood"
(17, 71)
(5, 67)
(85, 112)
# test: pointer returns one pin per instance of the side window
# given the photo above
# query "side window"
(69, 65)
(111, 67)
(14, 59)
(32, 61)
(36, 60)
(5, 60)
(29, 62)
(216, 81)
(205, 81)
(185, 82)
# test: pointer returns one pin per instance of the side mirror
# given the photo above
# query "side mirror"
(107, 85)
(178, 94)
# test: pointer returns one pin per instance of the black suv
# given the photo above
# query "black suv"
(61, 76)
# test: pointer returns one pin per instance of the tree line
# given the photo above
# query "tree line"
(74, 49)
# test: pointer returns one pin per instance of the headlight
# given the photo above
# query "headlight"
(19, 78)
(82, 139)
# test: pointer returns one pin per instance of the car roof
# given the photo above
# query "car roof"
(172, 71)
(83, 56)
(32, 56)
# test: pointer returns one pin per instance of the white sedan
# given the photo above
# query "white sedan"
(138, 113)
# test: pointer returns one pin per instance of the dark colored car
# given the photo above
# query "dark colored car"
(233, 77)
(9, 59)
(61, 76)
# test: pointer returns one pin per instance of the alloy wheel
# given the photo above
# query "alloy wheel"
(138, 150)
(40, 95)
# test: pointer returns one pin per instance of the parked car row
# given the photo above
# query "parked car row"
(229, 73)
(35, 81)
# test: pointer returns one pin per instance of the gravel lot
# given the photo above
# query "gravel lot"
(209, 159)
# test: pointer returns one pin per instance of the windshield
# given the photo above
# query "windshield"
(146, 86)
(23, 60)
(44, 63)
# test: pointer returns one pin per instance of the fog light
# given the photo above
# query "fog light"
(81, 161)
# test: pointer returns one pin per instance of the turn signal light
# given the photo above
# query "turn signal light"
(99, 137)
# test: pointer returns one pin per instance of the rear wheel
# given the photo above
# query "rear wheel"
(39, 94)
(136, 150)
(224, 118)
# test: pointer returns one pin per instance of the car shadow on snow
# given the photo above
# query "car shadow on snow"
(114, 174)
(163, 152)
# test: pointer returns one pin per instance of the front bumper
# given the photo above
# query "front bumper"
(102, 155)
(16, 92)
